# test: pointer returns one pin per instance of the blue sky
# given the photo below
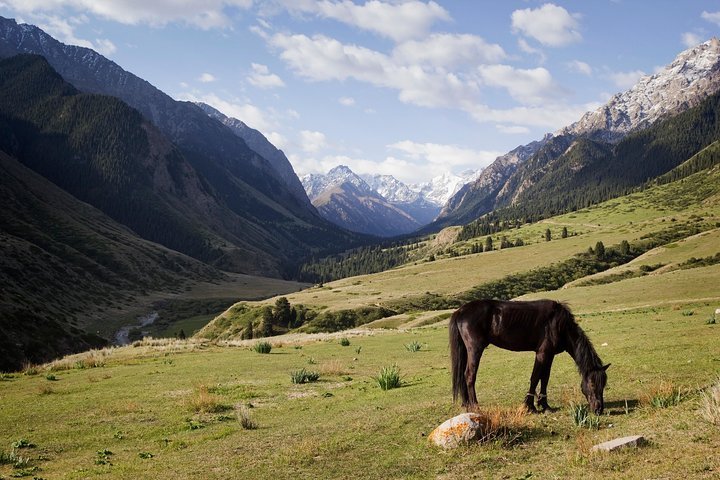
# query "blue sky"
(408, 88)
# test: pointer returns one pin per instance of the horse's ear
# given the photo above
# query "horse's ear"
(606, 366)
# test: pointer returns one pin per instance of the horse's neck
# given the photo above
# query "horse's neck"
(582, 351)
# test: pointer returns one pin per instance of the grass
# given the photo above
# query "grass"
(262, 347)
(304, 376)
(172, 398)
(413, 346)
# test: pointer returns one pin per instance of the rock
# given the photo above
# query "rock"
(459, 430)
(618, 443)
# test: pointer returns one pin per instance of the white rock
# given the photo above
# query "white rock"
(618, 443)
(459, 430)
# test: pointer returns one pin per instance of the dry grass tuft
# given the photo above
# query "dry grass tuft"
(504, 425)
(663, 395)
(332, 367)
(202, 401)
(710, 404)
(244, 418)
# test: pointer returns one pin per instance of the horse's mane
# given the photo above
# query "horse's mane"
(581, 348)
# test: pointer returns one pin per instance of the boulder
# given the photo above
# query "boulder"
(460, 430)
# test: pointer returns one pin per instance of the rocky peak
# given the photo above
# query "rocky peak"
(691, 77)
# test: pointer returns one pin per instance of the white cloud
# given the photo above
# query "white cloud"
(713, 17)
(321, 58)
(445, 156)
(548, 116)
(579, 67)
(277, 139)
(105, 46)
(205, 14)
(690, 39)
(550, 25)
(527, 48)
(396, 20)
(625, 80)
(262, 78)
(312, 142)
(512, 129)
(346, 101)
(206, 78)
(530, 86)
(444, 49)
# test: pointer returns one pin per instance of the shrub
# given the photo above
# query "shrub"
(244, 419)
(413, 346)
(345, 342)
(303, 376)
(262, 347)
(389, 377)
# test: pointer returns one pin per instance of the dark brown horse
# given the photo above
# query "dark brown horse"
(543, 326)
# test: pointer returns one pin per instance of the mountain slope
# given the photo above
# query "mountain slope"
(260, 144)
(62, 262)
(105, 153)
(279, 227)
(683, 84)
(347, 200)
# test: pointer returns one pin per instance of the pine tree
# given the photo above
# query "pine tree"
(548, 235)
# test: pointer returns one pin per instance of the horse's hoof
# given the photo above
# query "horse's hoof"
(531, 408)
(549, 409)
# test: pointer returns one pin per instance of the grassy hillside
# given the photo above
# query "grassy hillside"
(172, 408)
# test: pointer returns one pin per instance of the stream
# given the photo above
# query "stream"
(122, 336)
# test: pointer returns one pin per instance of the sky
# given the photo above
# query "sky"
(412, 89)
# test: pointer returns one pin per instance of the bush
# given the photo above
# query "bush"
(345, 342)
(389, 377)
(303, 376)
(262, 347)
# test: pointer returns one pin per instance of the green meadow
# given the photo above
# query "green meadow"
(197, 409)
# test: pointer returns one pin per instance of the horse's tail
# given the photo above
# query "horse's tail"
(458, 359)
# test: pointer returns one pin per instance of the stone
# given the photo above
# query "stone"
(618, 443)
(459, 430)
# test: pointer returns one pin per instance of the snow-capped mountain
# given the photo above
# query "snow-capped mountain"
(681, 85)
(690, 79)
(345, 199)
(441, 188)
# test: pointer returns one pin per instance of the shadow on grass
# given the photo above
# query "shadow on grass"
(621, 407)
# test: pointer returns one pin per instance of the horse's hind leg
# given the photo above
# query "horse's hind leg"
(474, 354)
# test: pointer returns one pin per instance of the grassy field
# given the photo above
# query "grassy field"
(173, 409)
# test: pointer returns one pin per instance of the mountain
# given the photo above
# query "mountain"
(260, 144)
(442, 188)
(412, 202)
(682, 85)
(347, 200)
(63, 262)
(266, 227)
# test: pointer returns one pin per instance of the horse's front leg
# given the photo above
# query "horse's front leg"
(534, 379)
(544, 379)
(474, 355)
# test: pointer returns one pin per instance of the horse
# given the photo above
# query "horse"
(545, 327)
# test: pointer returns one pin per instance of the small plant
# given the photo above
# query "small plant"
(710, 404)
(711, 321)
(262, 347)
(244, 418)
(312, 361)
(666, 399)
(389, 377)
(30, 370)
(345, 342)
(303, 376)
(583, 418)
(688, 313)
(146, 455)
(413, 346)
(103, 457)
(358, 349)
(23, 443)
(50, 377)
(195, 425)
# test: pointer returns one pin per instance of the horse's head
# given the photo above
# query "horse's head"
(592, 385)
